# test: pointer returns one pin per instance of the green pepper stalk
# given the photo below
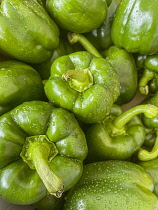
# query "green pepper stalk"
(149, 73)
(75, 37)
(39, 150)
(119, 135)
(145, 155)
(150, 111)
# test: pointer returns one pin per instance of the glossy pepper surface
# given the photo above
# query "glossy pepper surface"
(19, 82)
(26, 26)
(83, 84)
(135, 26)
(112, 185)
(77, 15)
(41, 152)
(124, 64)
(119, 135)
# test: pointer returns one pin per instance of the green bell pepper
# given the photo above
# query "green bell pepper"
(119, 135)
(19, 82)
(27, 32)
(83, 84)
(135, 27)
(78, 16)
(42, 151)
(101, 36)
(124, 64)
(112, 185)
(122, 61)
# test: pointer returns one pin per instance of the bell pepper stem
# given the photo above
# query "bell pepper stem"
(37, 152)
(74, 38)
(52, 182)
(148, 110)
(145, 155)
(79, 79)
(143, 82)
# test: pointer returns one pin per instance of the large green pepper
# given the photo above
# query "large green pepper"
(27, 32)
(78, 16)
(83, 84)
(19, 82)
(101, 36)
(120, 134)
(135, 26)
(113, 185)
(41, 151)
(124, 63)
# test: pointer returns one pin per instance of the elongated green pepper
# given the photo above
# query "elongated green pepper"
(119, 135)
(27, 32)
(19, 82)
(41, 152)
(83, 84)
(112, 185)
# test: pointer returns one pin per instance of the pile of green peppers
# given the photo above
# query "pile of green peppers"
(69, 71)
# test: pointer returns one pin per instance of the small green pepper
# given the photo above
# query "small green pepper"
(83, 84)
(135, 27)
(119, 135)
(78, 16)
(28, 33)
(112, 185)
(42, 151)
(19, 82)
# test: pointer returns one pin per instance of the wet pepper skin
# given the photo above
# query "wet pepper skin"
(19, 82)
(83, 84)
(112, 185)
(135, 26)
(41, 150)
(25, 25)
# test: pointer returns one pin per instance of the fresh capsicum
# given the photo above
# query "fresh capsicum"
(77, 16)
(19, 82)
(119, 135)
(122, 62)
(42, 149)
(112, 185)
(135, 27)
(83, 84)
(27, 32)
